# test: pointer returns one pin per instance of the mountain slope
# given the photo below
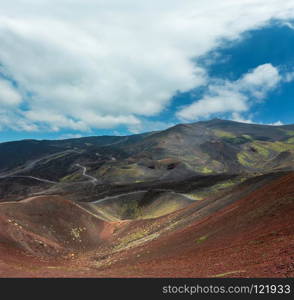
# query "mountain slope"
(246, 231)
(207, 199)
(215, 146)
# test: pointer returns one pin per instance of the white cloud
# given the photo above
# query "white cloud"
(238, 118)
(15, 121)
(70, 136)
(289, 77)
(261, 80)
(233, 96)
(88, 64)
(278, 123)
(8, 95)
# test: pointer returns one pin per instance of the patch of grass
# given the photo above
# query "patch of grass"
(201, 239)
(162, 209)
(131, 171)
(262, 148)
(130, 209)
(280, 146)
(70, 177)
(244, 159)
(223, 134)
(248, 137)
(227, 273)
(257, 152)
(194, 197)
(132, 237)
(289, 132)
(290, 140)
(205, 170)
(225, 184)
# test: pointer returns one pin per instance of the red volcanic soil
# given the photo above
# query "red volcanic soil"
(253, 237)
(244, 232)
(51, 227)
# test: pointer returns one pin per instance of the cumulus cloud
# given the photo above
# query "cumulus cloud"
(260, 81)
(8, 95)
(234, 97)
(88, 64)
(15, 121)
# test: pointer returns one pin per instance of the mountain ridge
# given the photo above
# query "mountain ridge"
(215, 146)
(212, 121)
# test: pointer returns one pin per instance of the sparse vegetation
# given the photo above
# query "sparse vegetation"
(201, 239)
(289, 132)
(256, 153)
(76, 233)
(206, 170)
(227, 273)
(71, 177)
(290, 140)
(223, 134)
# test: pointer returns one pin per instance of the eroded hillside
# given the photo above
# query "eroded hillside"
(208, 199)
(246, 230)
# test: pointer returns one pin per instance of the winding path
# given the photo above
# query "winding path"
(30, 177)
(140, 192)
(117, 196)
(84, 173)
(31, 164)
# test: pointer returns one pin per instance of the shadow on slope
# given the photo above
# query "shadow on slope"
(139, 205)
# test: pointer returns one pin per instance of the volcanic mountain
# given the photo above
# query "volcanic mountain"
(213, 198)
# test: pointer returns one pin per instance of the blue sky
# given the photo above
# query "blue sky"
(272, 44)
(123, 76)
